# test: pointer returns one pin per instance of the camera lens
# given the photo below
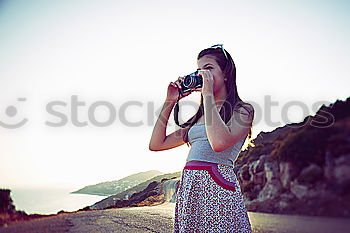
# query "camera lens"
(189, 81)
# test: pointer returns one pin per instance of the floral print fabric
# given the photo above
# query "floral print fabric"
(202, 205)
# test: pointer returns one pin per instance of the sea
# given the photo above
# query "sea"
(50, 201)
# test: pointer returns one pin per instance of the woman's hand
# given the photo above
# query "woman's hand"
(173, 90)
(208, 82)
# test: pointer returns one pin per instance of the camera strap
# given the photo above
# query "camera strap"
(176, 109)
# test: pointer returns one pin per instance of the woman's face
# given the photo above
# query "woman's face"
(208, 62)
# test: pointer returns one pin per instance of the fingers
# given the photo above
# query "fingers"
(180, 78)
(205, 73)
(178, 82)
(173, 84)
(178, 85)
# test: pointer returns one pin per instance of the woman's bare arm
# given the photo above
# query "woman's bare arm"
(159, 140)
(220, 135)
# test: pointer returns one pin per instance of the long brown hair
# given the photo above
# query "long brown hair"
(232, 102)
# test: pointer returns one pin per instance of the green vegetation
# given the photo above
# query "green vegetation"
(304, 146)
(306, 142)
(114, 187)
(144, 185)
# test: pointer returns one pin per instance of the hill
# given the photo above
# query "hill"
(138, 193)
(114, 187)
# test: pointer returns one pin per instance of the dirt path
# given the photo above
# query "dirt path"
(160, 219)
(134, 219)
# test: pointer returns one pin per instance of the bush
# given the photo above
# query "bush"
(305, 146)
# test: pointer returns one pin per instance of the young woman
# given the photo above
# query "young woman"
(209, 198)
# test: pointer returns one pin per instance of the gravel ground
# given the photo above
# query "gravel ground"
(160, 219)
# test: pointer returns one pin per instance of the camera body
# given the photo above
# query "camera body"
(191, 81)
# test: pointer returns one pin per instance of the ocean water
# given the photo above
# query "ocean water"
(50, 201)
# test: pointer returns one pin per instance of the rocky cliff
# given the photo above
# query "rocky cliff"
(301, 168)
(152, 192)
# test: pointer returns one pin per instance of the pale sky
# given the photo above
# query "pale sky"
(124, 54)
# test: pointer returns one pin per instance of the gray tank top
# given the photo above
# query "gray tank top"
(201, 149)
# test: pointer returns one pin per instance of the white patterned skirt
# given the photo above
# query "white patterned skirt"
(209, 199)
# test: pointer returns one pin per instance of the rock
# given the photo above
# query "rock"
(265, 206)
(252, 165)
(288, 172)
(318, 191)
(329, 166)
(310, 174)
(271, 171)
(288, 197)
(170, 189)
(244, 173)
(257, 165)
(237, 168)
(150, 190)
(337, 169)
(6, 203)
(271, 190)
(250, 190)
(282, 205)
(263, 157)
(273, 185)
(343, 160)
(299, 190)
(342, 174)
(259, 178)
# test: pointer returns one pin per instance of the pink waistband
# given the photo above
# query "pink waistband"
(212, 168)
